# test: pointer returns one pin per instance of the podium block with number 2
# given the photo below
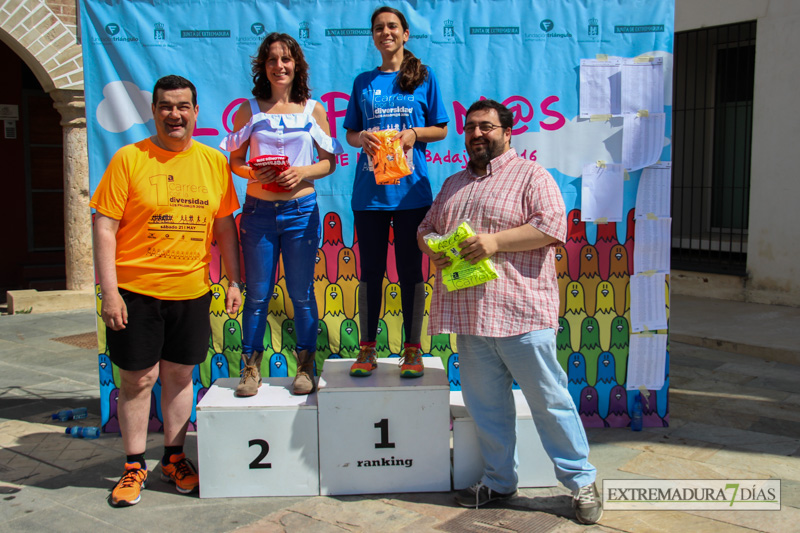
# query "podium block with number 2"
(382, 433)
(265, 445)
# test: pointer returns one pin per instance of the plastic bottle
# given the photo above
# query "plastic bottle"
(70, 414)
(79, 432)
(636, 416)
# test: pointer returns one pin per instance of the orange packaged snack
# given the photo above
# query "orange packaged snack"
(389, 162)
(279, 162)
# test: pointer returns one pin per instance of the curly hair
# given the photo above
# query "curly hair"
(261, 88)
(412, 72)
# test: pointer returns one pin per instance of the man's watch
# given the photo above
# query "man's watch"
(235, 285)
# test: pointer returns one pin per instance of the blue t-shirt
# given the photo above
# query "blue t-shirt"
(377, 103)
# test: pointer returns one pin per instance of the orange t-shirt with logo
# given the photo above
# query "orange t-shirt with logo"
(166, 203)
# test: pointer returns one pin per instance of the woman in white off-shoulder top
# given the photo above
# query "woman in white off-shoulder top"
(280, 213)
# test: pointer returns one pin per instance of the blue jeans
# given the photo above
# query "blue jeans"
(488, 366)
(267, 229)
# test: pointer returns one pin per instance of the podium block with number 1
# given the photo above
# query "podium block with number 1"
(383, 433)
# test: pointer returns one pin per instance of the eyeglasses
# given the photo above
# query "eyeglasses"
(485, 127)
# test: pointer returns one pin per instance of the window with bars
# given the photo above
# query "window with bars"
(712, 128)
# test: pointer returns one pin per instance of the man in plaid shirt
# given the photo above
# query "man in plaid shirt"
(506, 327)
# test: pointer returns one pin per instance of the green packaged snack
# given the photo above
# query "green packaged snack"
(461, 273)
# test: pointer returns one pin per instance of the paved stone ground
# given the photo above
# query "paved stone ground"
(732, 416)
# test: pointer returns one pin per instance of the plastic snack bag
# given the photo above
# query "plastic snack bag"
(280, 162)
(389, 162)
(461, 273)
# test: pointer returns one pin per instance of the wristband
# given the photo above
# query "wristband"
(415, 134)
(235, 285)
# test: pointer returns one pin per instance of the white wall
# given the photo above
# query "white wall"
(773, 259)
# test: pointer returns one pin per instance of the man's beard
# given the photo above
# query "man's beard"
(488, 151)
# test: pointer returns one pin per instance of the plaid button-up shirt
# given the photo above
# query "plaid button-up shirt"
(524, 298)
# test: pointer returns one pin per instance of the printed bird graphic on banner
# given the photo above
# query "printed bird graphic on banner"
(588, 409)
(391, 265)
(605, 312)
(576, 240)
(619, 277)
(267, 341)
(106, 385)
(590, 277)
(348, 280)
(575, 311)
(332, 242)
(563, 343)
(278, 367)
(220, 367)
(606, 380)
(441, 345)
(323, 344)
(112, 426)
(382, 347)
(393, 317)
(217, 307)
(281, 282)
(562, 276)
(334, 315)
(453, 374)
(205, 366)
(276, 315)
(232, 345)
(617, 416)
(605, 242)
(288, 341)
(217, 313)
(576, 376)
(320, 281)
(629, 238)
(590, 347)
(425, 338)
(620, 340)
(650, 418)
(348, 339)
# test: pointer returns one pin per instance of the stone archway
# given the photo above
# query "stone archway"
(43, 35)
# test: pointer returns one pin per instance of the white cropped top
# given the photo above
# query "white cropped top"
(289, 134)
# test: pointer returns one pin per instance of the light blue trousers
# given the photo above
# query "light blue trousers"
(488, 367)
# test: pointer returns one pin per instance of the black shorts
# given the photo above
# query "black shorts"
(173, 330)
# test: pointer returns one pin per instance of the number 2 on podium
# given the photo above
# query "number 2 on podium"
(256, 463)
(383, 425)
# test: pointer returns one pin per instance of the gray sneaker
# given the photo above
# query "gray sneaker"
(479, 494)
(587, 504)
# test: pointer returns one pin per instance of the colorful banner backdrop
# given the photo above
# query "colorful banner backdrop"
(541, 59)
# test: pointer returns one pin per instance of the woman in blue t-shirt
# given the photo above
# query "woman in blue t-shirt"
(402, 94)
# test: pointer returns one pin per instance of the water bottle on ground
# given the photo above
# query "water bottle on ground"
(636, 415)
(79, 432)
(70, 414)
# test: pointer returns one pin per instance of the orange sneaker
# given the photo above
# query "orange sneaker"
(128, 490)
(411, 363)
(365, 363)
(182, 472)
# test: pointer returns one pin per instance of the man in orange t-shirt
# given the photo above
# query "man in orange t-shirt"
(160, 204)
